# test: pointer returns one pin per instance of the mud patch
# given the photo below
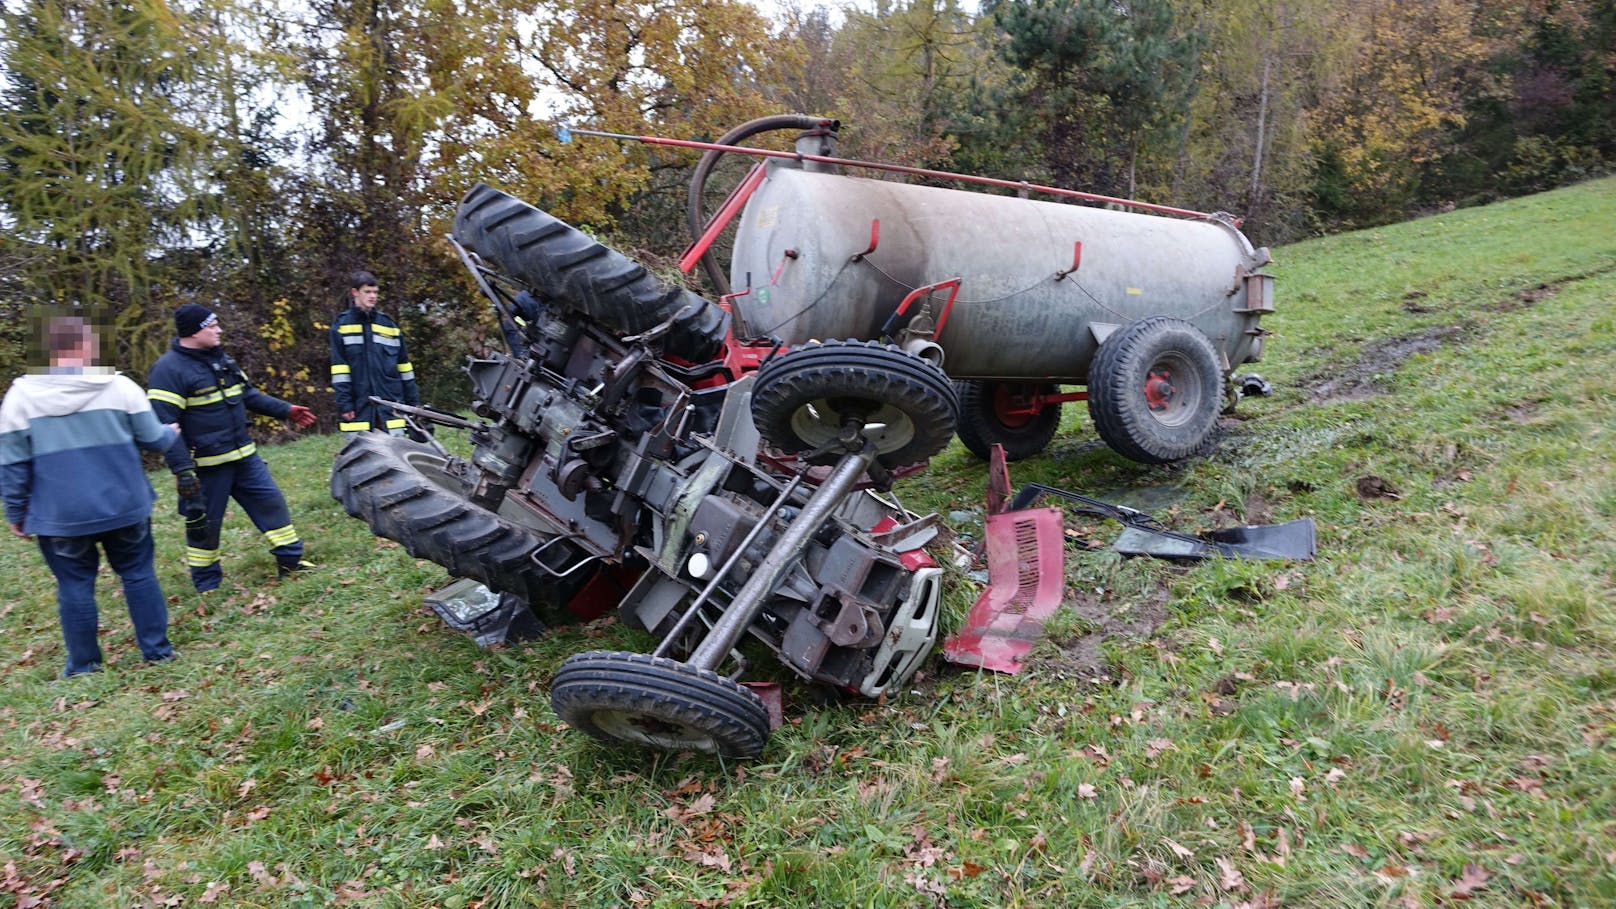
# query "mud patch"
(1079, 657)
(1373, 487)
(1360, 379)
(1411, 302)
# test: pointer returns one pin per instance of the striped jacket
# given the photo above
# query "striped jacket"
(205, 392)
(68, 464)
(369, 357)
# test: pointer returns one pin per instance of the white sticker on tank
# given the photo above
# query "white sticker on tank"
(768, 217)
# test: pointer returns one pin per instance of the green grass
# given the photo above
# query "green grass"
(1423, 714)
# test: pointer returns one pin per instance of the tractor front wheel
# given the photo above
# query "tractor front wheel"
(658, 703)
(804, 398)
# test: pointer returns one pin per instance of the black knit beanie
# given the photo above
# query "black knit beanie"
(192, 318)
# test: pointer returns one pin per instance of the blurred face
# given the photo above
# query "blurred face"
(365, 297)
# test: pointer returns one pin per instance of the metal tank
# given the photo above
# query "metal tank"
(822, 255)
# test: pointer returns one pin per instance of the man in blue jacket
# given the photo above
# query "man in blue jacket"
(199, 386)
(72, 479)
(369, 357)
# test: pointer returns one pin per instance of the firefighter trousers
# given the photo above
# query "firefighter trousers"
(249, 483)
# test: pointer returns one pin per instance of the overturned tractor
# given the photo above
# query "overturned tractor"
(738, 496)
(719, 473)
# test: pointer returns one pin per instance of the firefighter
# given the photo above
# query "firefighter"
(200, 387)
(369, 357)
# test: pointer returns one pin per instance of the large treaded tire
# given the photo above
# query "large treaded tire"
(565, 264)
(389, 483)
(1154, 390)
(983, 422)
(660, 703)
(801, 396)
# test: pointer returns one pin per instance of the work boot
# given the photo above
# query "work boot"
(284, 569)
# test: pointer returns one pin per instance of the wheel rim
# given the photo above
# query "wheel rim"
(653, 731)
(438, 470)
(1172, 390)
(819, 422)
(1010, 406)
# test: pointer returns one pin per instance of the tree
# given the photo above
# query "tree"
(103, 166)
(1110, 77)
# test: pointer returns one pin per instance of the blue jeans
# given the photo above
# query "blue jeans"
(75, 561)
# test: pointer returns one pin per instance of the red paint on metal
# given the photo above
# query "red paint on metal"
(1159, 389)
(953, 285)
(603, 592)
(732, 205)
(903, 169)
(1077, 259)
(769, 694)
(1026, 573)
(913, 559)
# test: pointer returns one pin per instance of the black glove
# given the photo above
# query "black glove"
(187, 485)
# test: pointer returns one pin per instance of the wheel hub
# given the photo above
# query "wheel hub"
(1159, 389)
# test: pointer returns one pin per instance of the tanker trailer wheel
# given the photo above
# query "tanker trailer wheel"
(567, 265)
(803, 398)
(1154, 390)
(408, 493)
(995, 413)
(658, 702)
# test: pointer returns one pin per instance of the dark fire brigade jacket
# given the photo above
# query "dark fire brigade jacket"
(368, 357)
(205, 392)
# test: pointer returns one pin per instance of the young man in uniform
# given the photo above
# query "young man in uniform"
(369, 357)
(199, 386)
(71, 478)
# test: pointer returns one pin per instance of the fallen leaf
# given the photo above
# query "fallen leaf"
(212, 892)
(1474, 878)
(1178, 850)
(1229, 877)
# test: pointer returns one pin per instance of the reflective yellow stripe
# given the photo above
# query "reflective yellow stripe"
(350, 329)
(200, 400)
(227, 457)
(340, 369)
(353, 427)
(396, 424)
(200, 558)
(280, 536)
(385, 331)
(167, 397)
(406, 370)
(234, 391)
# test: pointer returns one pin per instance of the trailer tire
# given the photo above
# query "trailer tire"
(1154, 390)
(403, 491)
(985, 419)
(658, 702)
(565, 264)
(801, 397)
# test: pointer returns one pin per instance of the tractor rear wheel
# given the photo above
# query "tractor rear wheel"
(1154, 390)
(996, 413)
(659, 703)
(409, 493)
(565, 264)
(803, 398)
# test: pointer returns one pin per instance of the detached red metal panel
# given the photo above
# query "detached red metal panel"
(1026, 577)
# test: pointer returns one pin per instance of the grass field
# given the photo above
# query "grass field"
(1423, 715)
